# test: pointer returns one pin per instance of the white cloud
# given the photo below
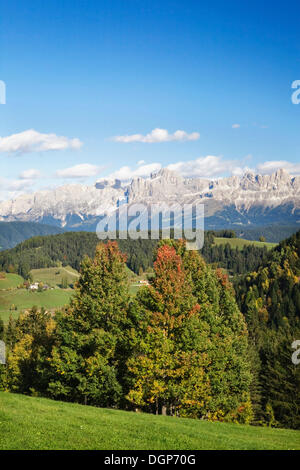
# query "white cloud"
(272, 166)
(206, 167)
(240, 171)
(10, 188)
(236, 126)
(18, 185)
(30, 174)
(83, 170)
(157, 135)
(209, 167)
(126, 173)
(33, 141)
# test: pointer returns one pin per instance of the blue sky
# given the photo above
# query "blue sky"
(80, 73)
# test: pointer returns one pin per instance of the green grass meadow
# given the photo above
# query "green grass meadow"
(38, 423)
(54, 276)
(240, 243)
(24, 299)
(11, 281)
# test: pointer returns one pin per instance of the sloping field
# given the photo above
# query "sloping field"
(23, 299)
(53, 276)
(240, 243)
(11, 281)
(38, 423)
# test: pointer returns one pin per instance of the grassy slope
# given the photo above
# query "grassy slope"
(11, 281)
(23, 299)
(53, 276)
(133, 289)
(240, 243)
(38, 423)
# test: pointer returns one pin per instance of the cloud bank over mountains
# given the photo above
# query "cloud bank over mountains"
(271, 166)
(209, 166)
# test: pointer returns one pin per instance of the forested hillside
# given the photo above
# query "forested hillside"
(12, 233)
(233, 259)
(69, 249)
(269, 298)
(272, 292)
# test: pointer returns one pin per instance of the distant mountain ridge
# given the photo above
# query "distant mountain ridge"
(249, 200)
(13, 233)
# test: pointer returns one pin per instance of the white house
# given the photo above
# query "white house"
(34, 286)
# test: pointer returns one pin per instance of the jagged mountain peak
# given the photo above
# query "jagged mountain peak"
(231, 199)
(108, 183)
(167, 174)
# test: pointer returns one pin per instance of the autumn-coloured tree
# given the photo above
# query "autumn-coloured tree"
(191, 358)
(161, 363)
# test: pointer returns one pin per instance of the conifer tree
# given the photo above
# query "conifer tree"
(87, 363)
(280, 378)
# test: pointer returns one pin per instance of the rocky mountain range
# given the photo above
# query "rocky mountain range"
(250, 200)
